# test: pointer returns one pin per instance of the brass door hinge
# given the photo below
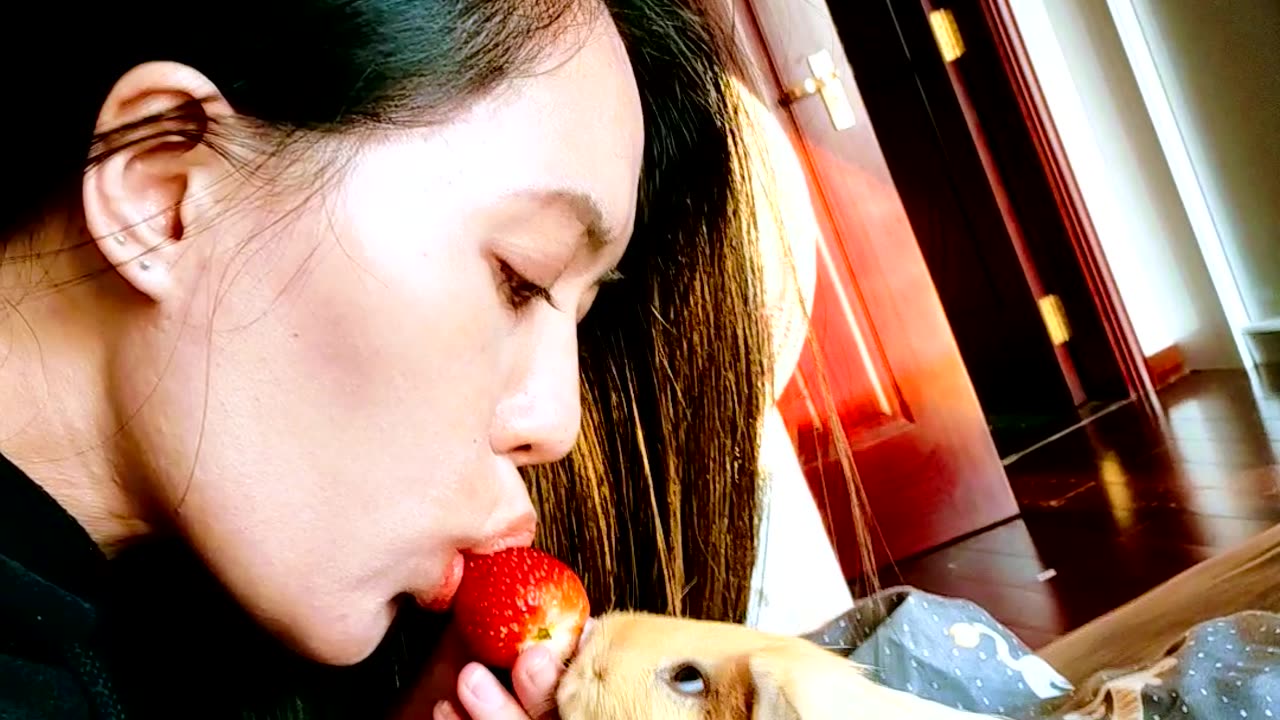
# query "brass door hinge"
(1055, 319)
(946, 33)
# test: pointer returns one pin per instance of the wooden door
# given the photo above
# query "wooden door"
(890, 365)
(1018, 199)
(967, 226)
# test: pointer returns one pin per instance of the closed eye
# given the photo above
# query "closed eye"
(519, 290)
(687, 679)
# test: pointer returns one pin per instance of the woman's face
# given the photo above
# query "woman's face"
(381, 360)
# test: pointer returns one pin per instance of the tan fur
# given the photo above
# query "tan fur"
(621, 672)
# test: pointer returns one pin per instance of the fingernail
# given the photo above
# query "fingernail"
(444, 711)
(539, 667)
(484, 687)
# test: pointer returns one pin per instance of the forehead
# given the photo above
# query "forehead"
(679, 639)
(570, 133)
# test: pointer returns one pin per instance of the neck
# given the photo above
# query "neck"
(56, 423)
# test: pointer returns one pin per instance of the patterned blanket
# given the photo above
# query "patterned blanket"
(952, 651)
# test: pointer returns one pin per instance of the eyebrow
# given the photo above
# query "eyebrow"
(586, 209)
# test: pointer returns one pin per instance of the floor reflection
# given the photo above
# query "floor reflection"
(1121, 505)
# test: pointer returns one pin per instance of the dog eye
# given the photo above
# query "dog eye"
(687, 679)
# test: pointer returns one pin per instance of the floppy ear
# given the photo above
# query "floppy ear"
(797, 682)
(791, 684)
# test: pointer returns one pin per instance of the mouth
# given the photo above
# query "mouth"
(440, 598)
(522, 537)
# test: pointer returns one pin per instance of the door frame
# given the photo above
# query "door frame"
(1083, 236)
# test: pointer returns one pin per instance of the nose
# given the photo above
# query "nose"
(537, 421)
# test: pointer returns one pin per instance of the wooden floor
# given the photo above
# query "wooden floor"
(1114, 508)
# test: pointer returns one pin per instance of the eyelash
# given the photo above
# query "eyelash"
(520, 290)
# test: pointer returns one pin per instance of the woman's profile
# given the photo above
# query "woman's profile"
(303, 300)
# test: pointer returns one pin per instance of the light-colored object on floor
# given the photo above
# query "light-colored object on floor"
(798, 584)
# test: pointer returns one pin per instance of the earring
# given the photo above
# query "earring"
(144, 264)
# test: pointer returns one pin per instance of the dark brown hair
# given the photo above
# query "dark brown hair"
(657, 504)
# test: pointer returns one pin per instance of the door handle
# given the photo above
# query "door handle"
(825, 83)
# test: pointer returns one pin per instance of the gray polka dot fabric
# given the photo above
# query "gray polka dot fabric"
(953, 652)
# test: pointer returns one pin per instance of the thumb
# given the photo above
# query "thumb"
(534, 678)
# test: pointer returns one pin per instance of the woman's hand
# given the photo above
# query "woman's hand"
(453, 687)
(482, 697)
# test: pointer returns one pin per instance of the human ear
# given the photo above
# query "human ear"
(152, 172)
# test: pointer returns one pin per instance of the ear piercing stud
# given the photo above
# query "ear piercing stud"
(143, 264)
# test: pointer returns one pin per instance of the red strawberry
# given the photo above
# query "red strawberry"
(516, 598)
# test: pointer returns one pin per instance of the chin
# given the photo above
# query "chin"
(341, 639)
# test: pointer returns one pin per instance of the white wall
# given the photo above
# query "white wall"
(1219, 61)
(1081, 66)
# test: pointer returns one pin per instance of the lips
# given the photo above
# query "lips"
(520, 536)
(440, 598)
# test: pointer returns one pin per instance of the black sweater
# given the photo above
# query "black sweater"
(52, 579)
(151, 635)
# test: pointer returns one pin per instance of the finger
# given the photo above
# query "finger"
(444, 711)
(535, 677)
(484, 698)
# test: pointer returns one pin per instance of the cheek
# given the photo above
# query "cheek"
(404, 356)
(361, 367)
(406, 313)
(378, 332)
